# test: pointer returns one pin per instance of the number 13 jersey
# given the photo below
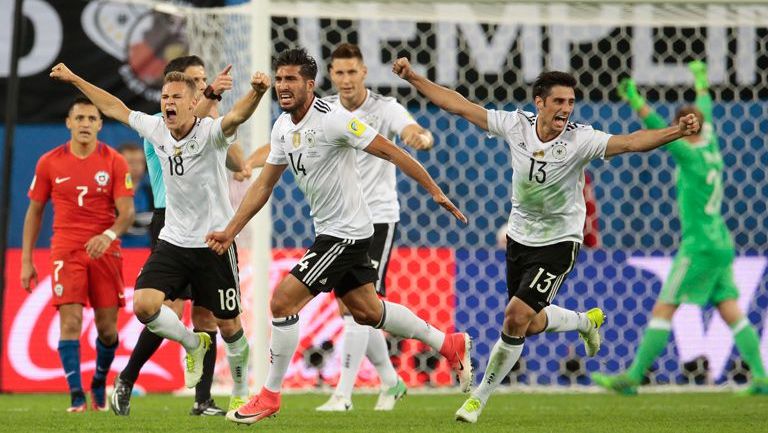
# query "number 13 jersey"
(547, 177)
(194, 173)
(321, 151)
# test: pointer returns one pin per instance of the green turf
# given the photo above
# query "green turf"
(561, 413)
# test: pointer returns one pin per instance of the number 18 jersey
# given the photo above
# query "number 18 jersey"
(321, 151)
(197, 192)
(547, 177)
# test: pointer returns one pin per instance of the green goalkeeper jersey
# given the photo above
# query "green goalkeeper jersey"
(699, 184)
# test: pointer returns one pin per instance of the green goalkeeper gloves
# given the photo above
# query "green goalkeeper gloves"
(699, 71)
(627, 91)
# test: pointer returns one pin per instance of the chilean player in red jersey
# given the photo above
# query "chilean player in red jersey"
(87, 182)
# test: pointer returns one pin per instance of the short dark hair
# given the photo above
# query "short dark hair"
(542, 87)
(180, 64)
(180, 77)
(347, 51)
(80, 100)
(129, 146)
(298, 57)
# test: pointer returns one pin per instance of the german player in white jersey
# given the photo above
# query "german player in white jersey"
(193, 153)
(320, 143)
(347, 71)
(546, 223)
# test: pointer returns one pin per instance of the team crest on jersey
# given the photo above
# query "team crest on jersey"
(192, 146)
(102, 178)
(296, 140)
(559, 151)
(128, 181)
(356, 127)
(58, 289)
(309, 135)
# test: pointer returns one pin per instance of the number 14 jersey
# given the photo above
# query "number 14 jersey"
(547, 177)
(321, 151)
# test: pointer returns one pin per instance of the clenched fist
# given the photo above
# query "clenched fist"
(62, 73)
(260, 82)
(689, 124)
(402, 68)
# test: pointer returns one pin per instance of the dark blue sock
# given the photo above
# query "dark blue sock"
(69, 352)
(104, 356)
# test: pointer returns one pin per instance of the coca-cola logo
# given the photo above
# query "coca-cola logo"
(36, 318)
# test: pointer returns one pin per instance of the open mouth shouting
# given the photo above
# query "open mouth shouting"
(286, 99)
(170, 114)
(559, 121)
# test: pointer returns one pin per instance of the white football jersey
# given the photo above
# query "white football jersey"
(547, 178)
(377, 176)
(321, 151)
(195, 177)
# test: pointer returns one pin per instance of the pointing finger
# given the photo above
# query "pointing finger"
(226, 70)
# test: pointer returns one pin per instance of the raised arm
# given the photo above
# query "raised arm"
(447, 99)
(245, 107)
(32, 221)
(103, 100)
(701, 84)
(649, 139)
(206, 107)
(255, 199)
(417, 137)
(385, 149)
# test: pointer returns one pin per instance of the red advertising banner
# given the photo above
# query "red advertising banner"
(421, 278)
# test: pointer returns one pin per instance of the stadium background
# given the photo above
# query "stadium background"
(451, 274)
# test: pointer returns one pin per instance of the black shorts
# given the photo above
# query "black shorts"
(535, 274)
(381, 249)
(213, 278)
(335, 263)
(157, 224)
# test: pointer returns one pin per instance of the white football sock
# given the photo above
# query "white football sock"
(378, 354)
(400, 321)
(282, 346)
(353, 348)
(166, 324)
(504, 355)
(562, 320)
(238, 355)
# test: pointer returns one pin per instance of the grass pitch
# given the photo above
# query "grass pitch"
(561, 413)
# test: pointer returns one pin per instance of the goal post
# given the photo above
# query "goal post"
(491, 51)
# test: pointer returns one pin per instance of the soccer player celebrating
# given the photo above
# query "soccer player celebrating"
(88, 182)
(390, 119)
(192, 151)
(320, 142)
(202, 319)
(546, 224)
(702, 271)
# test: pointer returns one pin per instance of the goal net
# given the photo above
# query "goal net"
(454, 275)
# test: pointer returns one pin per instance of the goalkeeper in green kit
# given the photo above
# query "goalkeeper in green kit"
(702, 271)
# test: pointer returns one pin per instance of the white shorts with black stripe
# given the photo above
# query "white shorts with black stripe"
(381, 249)
(337, 264)
(535, 274)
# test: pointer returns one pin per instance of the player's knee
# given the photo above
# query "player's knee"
(71, 325)
(367, 317)
(144, 308)
(203, 319)
(281, 307)
(229, 327)
(517, 321)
